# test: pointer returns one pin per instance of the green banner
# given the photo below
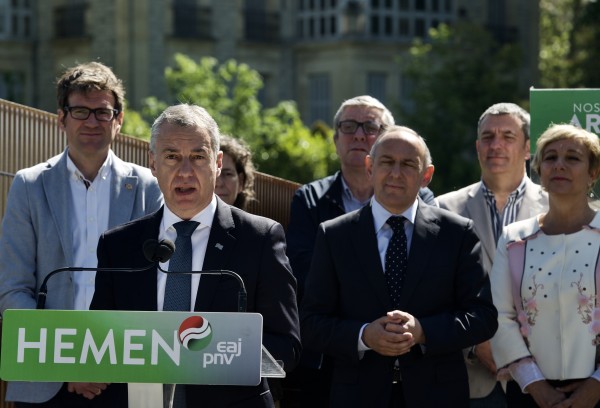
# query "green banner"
(580, 107)
(142, 347)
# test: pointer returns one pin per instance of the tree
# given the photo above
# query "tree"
(281, 144)
(569, 35)
(455, 76)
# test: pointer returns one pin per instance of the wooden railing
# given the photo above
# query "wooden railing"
(29, 136)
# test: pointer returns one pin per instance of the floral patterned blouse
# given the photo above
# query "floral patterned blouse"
(544, 287)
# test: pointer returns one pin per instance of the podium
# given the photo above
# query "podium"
(143, 349)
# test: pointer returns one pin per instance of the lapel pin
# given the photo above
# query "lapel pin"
(218, 246)
(128, 186)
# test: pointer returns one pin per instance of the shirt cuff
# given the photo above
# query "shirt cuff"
(525, 372)
(362, 347)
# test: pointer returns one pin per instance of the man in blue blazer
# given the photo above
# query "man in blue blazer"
(57, 210)
(185, 158)
(403, 351)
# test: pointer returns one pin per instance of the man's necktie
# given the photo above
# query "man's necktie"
(179, 286)
(178, 290)
(396, 259)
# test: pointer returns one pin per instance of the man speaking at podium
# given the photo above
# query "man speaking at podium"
(185, 158)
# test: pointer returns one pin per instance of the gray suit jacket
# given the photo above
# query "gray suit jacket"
(37, 237)
(470, 202)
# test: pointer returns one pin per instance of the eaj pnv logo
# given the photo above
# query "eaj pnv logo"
(195, 333)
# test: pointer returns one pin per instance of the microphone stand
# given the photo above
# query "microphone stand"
(43, 292)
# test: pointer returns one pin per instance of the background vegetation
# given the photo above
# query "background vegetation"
(454, 75)
(281, 144)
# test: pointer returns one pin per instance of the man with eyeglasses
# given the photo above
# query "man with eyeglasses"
(56, 211)
(358, 123)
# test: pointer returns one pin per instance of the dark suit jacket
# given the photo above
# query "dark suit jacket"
(313, 203)
(445, 288)
(252, 246)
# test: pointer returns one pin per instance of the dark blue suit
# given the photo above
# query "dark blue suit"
(445, 288)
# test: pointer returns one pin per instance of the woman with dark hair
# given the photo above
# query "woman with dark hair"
(235, 185)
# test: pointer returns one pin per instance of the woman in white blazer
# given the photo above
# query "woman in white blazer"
(546, 282)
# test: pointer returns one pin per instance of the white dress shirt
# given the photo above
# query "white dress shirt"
(384, 234)
(199, 243)
(91, 202)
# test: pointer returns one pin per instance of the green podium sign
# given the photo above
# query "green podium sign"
(139, 347)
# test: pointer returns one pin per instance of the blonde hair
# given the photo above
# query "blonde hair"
(562, 132)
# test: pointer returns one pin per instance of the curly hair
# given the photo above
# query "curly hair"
(241, 155)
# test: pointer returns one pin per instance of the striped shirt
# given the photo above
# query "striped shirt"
(510, 211)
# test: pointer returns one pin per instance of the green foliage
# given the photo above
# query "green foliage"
(135, 125)
(289, 150)
(569, 36)
(282, 146)
(455, 76)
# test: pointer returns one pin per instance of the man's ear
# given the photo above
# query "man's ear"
(427, 175)
(528, 147)
(219, 162)
(119, 121)
(369, 165)
(151, 162)
(61, 119)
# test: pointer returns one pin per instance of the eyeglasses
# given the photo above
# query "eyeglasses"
(82, 113)
(350, 127)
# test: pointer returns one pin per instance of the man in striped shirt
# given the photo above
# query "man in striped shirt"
(504, 195)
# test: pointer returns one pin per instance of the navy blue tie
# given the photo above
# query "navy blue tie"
(179, 286)
(396, 259)
(178, 290)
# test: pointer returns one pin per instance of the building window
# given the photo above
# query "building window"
(191, 20)
(376, 85)
(378, 19)
(407, 87)
(420, 27)
(260, 24)
(16, 19)
(317, 20)
(319, 97)
(12, 86)
(262, 92)
(69, 21)
(404, 27)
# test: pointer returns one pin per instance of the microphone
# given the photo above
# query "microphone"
(158, 251)
(161, 251)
